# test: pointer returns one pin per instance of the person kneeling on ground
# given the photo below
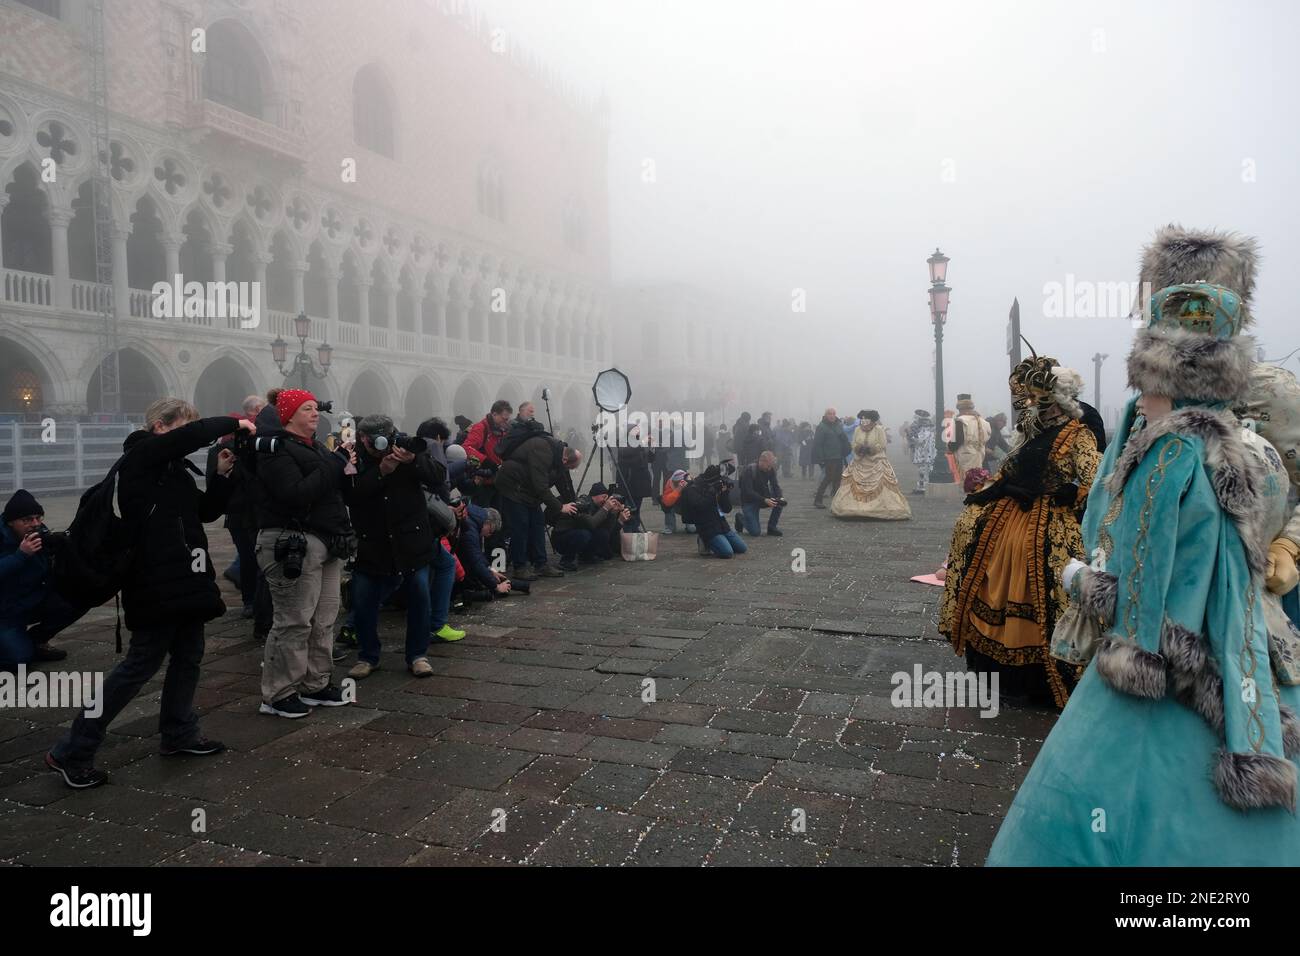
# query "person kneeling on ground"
(759, 489)
(705, 503)
(586, 534)
(31, 611)
(475, 526)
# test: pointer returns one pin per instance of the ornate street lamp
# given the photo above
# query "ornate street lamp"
(302, 363)
(939, 293)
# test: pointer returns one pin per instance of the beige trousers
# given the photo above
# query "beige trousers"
(297, 658)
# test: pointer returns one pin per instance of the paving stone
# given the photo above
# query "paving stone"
(522, 830)
(367, 751)
(745, 849)
(799, 775)
(692, 798)
(755, 722)
(388, 805)
(636, 752)
(610, 786)
(298, 839)
(942, 794)
(908, 763)
(493, 713)
(625, 728)
(676, 844)
(463, 819)
(919, 833)
(303, 789)
(679, 712)
(546, 741)
(720, 763)
(466, 765)
(547, 777)
(760, 745)
(684, 735)
(780, 812)
(592, 838)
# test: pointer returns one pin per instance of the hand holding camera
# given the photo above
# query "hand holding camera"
(32, 544)
(398, 456)
(569, 509)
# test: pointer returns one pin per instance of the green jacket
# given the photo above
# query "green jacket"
(829, 443)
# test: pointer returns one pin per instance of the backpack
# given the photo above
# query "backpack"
(518, 433)
(98, 550)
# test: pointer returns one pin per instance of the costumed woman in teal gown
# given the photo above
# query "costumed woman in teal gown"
(1178, 747)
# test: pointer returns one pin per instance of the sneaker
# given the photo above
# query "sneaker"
(43, 653)
(327, 696)
(525, 574)
(291, 707)
(448, 633)
(348, 636)
(203, 747)
(549, 571)
(775, 533)
(569, 566)
(362, 669)
(78, 778)
(340, 652)
(667, 531)
(420, 667)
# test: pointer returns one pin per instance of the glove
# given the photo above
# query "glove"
(1066, 495)
(1282, 574)
(1069, 571)
(1023, 496)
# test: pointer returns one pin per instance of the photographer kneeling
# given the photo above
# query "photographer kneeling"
(705, 503)
(304, 541)
(31, 611)
(588, 532)
(759, 489)
(475, 526)
(395, 541)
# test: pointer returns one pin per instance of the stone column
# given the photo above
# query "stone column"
(59, 219)
(392, 322)
(220, 250)
(363, 303)
(121, 277)
(172, 247)
(260, 261)
(417, 310)
(332, 277)
(299, 269)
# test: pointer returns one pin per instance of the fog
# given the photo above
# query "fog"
(831, 146)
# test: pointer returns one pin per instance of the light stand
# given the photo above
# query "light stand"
(612, 392)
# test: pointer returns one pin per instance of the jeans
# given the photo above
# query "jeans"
(670, 520)
(442, 577)
(751, 517)
(571, 543)
(832, 473)
(527, 527)
(19, 638)
(177, 722)
(246, 561)
(727, 545)
(368, 590)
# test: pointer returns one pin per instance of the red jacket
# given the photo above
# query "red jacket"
(481, 442)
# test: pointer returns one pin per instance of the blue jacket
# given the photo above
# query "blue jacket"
(469, 548)
(22, 578)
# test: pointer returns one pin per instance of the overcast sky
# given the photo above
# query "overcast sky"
(830, 146)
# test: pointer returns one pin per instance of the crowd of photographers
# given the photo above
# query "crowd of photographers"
(361, 518)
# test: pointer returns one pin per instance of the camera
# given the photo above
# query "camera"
(291, 548)
(326, 407)
(247, 444)
(50, 539)
(414, 445)
(781, 502)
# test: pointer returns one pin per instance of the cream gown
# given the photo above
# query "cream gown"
(870, 488)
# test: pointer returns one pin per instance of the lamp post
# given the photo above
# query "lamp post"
(302, 362)
(938, 263)
(1097, 359)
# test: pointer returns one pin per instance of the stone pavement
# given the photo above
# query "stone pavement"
(771, 738)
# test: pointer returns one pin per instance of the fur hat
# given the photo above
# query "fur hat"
(1176, 256)
(965, 404)
(1192, 348)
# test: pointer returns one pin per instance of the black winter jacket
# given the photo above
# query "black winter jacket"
(756, 485)
(300, 486)
(634, 463)
(530, 472)
(699, 506)
(159, 499)
(389, 514)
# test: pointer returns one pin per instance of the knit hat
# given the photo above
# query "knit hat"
(597, 488)
(678, 475)
(22, 505)
(289, 401)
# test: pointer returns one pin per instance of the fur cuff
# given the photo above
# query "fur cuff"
(1255, 781)
(1193, 673)
(1181, 364)
(1097, 592)
(1131, 670)
(1290, 731)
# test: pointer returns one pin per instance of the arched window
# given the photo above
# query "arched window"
(372, 113)
(231, 75)
(491, 192)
